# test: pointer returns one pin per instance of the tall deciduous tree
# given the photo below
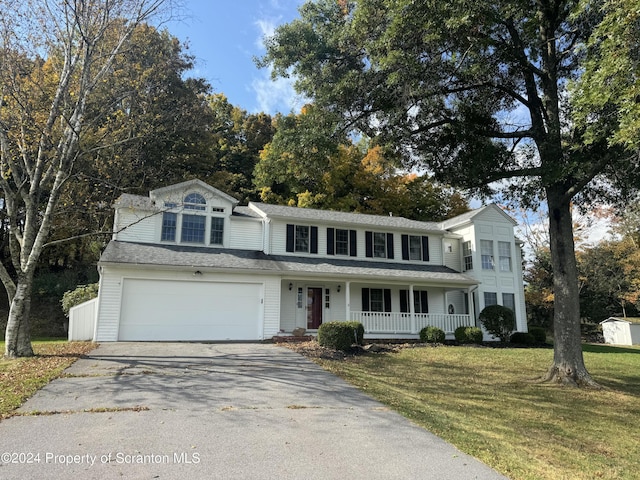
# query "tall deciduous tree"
(53, 56)
(309, 164)
(478, 93)
(150, 127)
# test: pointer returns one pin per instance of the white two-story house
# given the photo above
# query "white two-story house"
(188, 263)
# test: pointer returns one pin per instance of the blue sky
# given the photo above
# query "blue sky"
(224, 36)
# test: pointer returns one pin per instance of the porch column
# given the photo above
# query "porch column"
(471, 303)
(412, 310)
(347, 299)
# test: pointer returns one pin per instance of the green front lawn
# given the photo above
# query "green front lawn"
(487, 402)
(21, 378)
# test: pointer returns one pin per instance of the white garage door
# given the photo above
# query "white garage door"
(170, 310)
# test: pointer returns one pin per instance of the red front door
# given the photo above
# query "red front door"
(314, 307)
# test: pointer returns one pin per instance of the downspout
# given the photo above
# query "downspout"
(266, 236)
(97, 314)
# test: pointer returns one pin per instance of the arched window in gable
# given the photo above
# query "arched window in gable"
(195, 201)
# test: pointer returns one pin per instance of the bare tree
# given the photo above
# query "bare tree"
(54, 53)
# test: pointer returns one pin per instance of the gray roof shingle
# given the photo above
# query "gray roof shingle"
(139, 254)
(310, 214)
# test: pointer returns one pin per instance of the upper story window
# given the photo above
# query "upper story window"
(379, 245)
(193, 228)
(192, 222)
(467, 256)
(195, 201)
(486, 252)
(504, 256)
(341, 242)
(415, 247)
(217, 231)
(302, 238)
(169, 226)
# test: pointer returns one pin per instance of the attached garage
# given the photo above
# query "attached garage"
(169, 310)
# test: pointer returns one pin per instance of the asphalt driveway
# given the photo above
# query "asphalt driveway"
(216, 411)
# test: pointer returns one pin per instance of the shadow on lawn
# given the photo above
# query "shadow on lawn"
(591, 348)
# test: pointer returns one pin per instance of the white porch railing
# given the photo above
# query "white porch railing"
(402, 323)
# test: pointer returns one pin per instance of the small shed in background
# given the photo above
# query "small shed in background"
(82, 320)
(621, 331)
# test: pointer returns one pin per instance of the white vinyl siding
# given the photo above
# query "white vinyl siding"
(245, 234)
(138, 226)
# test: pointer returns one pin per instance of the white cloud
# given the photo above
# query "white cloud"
(277, 95)
(266, 27)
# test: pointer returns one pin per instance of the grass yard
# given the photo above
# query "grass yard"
(487, 402)
(21, 378)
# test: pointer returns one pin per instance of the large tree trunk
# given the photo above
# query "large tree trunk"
(17, 335)
(568, 362)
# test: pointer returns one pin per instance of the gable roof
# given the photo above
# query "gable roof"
(191, 184)
(629, 320)
(134, 201)
(154, 255)
(331, 216)
(470, 215)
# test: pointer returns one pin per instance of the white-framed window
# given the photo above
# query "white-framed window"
(376, 300)
(195, 201)
(327, 298)
(216, 236)
(509, 301)
(415, 247)
(193, 228)
(169, 226)
(467, 256)
(342, 242)
(420, 301)
(379, 246)
(490, 298)
(504, 256)
(190, 222)
(486, 252)
(301, 239)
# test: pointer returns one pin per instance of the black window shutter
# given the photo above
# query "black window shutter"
(387, 300)
(314, 239)
(330, 241)
(389, 245)
(353, 244)
(424, 302)
(404, 303)
(290, 237)
(365, 299)
(405, 247)
(368, 240)
(425, 249)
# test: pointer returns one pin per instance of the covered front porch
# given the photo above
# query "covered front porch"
(386, 310)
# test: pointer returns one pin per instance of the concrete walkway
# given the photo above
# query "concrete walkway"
(216, 411)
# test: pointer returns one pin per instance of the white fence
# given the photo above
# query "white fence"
(402, 323)
(82, 320)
